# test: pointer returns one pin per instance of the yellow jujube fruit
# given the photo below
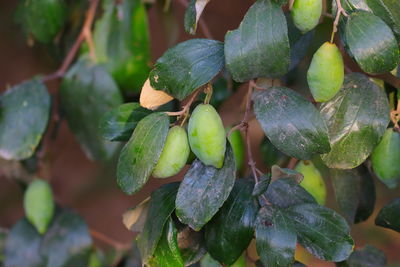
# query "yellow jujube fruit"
(326, 73)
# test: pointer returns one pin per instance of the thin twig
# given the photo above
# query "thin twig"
(186, 107)
(292, 163)
(85, 34)
(339, 12)
(102, 237)
(291, 2)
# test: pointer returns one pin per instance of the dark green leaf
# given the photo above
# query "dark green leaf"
(191, 244)
(203, 191)
(291, 122)
(141, 153)
(22, 246)
(260, 46)
(162, 204)
(87, 92)
(368, 256)
(43, 28)
(271, 155)
(262, 185)
(187, 66)
(119, 123)
(389, 216)
(193, 13)
(355, 193)
(371, 42)
(387, 10)
(299, 42)
(286, 192)
(322, 231)
(275, 237)
(230, 231)
(167, 253)
(357, 118)
(67, 242)
(24, 113)
(121, 39)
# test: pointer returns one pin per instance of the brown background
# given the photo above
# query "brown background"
(91, 189)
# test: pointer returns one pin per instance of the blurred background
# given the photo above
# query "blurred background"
(90, 188)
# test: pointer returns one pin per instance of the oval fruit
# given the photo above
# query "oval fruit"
(207, 135)
(240, 262)
(39, 204)
(386, 158)
(306, 14)
(313, 181)
(174, 154)
(237, 144)
(326, 73)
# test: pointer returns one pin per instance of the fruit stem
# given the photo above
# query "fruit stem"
(291, 2)
(395, 116)
(208, 90)
(186, 107)
(85, 34)
(339, 12)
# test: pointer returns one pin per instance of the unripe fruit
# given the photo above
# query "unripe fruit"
(386, 158)
(240, 262)
(39, 204)
(207, 135)
(306, 14)
(326, 73)
(313, 182)
(237, 144)
(174, 154)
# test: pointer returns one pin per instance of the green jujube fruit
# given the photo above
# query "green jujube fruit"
(39, 204)
(306, 14)
(313, 182)
(326, 73)
(240, 262)
(386, 158)
(207, 135)
(237, 144)
(174, 154)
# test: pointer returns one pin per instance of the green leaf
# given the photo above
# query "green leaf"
(22, 246)
(121, 39)
(203, 191)
(357, 118)
(286, 192)
(271, 155)
(141, 153)
(167, 253)
(43, 28)
(87, 92)
(24, 113)
(388, 11)
(354, 192)
(67, 242)
(187, 66)
(291, 122)
(193, 13)
(230, 231)
(389, 216)
(39, 204)
(275, 237)
(262, 185)
(260, 46)
(161, 206)
(322, 231)
(191, 244)
(369, 256)
(208, 261)
(119, 123)
(371, 42)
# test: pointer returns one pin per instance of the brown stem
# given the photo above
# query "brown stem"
(102, 237)
(292, 163)
(339, 12)
(291, 2)
(186, 107)
(389, 78)
(85, 34)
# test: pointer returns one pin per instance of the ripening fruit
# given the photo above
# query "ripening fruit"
(39, 204)
(174, 154)
(313, 181)
(207, 135)
(306, 14)
(326, 73)
(236, 141)
(386, 158)
(240, 262)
